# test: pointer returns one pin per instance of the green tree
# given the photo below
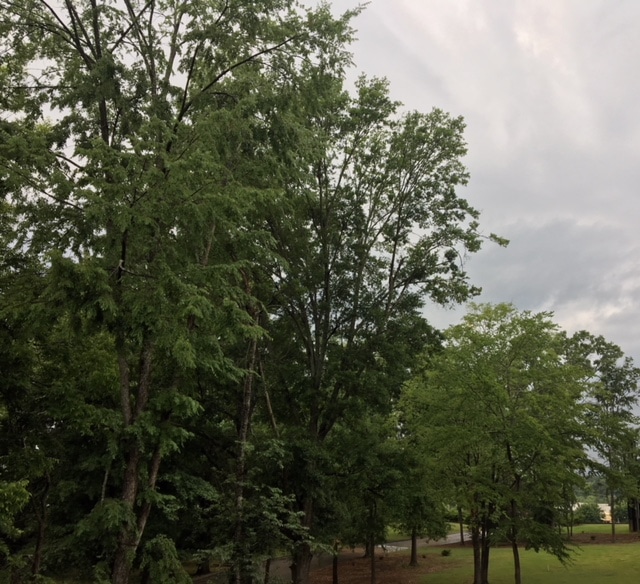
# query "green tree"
(421, 495)
(611, 418)
(374, 228)
(135, 148)
(501, 410)
(588, 513)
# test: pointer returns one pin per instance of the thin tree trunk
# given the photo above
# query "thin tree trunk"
(334, 567)
(634, 515)
(126, 548)
(516, 561)
(373, 560)
(42, 516)
(477, 555)
(242, 562)
(461, 523)
(267, 571)
(39, 549)
(373, 513)
(414, 547)
(612, 502)
(514, 536)
(129, 538)
(367, 549)
(484, 564)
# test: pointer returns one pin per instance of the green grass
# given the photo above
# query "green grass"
(395, 534)
(600, 528)
(592, 564)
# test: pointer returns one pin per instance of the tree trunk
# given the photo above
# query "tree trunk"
(373, 560)
(513, 533)
(301, 564)
(461, 523)
(367, 549)
(334, 566)
(414, 547)
(242, 559)
(612, 502)
(267, 571)
(477, 555)
(484, 564)
(634, 515)
(516, 562)
(126, 550)
(133, 406)
(373, 513)
(42, 517)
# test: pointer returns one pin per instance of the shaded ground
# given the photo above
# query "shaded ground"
(392, 563)
(393, 567)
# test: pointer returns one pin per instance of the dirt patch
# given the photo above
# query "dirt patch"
(391, 568)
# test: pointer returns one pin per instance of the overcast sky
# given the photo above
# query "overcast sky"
(550, 91)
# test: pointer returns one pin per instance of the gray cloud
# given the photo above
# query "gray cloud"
(550, 93)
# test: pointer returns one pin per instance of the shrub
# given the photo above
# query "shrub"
(588, 513)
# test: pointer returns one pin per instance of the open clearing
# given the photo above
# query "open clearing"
(595, 562)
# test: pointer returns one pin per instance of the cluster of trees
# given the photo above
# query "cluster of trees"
(515, 414)
(215, 260)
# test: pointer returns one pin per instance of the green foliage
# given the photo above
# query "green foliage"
(208, 246)
(160, 560)
(500, 409)
(13, 497)
(588, 513)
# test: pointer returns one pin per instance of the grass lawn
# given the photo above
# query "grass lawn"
(592, 564)
(396, 534)
(600, 528)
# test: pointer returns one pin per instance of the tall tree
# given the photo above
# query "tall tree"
(502, 410)
(374, 228)
(611, 417)
(134, 153)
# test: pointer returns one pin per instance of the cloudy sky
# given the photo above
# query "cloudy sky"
(550, 91)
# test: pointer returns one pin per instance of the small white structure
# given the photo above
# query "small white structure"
(606, 511)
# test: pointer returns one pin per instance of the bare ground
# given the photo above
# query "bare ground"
(392, 565)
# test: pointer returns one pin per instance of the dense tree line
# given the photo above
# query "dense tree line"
(215, 263)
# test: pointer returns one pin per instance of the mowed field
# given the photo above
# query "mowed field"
(592, 564)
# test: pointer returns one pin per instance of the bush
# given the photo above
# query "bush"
(588, 513)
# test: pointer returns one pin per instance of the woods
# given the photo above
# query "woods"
(216, 263)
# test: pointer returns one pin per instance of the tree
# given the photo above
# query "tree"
(613, 394)
(588, 513)
(374, 228)
(501, 410)
(134, 148)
